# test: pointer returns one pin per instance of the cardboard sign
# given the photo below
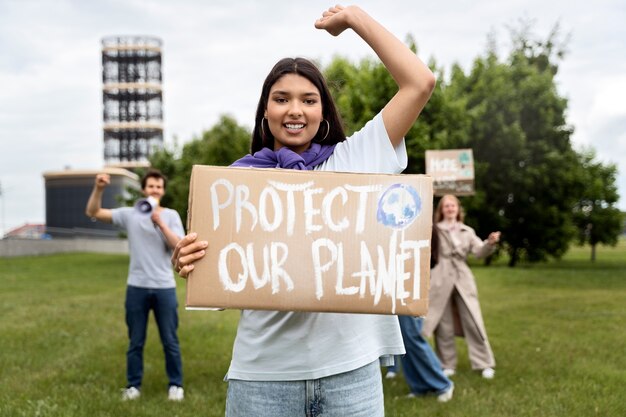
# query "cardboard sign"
(310, 241)
(452, 171)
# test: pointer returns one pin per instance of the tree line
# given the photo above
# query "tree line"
(531, 184)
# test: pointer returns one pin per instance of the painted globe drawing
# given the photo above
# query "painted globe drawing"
(399, 206)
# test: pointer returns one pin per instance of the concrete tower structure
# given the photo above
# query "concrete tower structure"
(132, 98)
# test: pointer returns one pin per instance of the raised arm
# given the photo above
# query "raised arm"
(94, 204)
(415, 80)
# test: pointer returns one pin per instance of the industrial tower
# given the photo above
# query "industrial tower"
(132, 98)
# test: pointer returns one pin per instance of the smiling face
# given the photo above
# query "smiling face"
(450, 208)
(293, 112)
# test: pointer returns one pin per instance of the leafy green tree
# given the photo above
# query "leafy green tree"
(597, 218)
(360, 91)
(526, 169)
(224, 143)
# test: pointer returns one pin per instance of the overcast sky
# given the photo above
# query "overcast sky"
(216, 54)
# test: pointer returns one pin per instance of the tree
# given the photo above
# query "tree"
(360, 91)
(595, 214)
(224, 143)
(526, 169)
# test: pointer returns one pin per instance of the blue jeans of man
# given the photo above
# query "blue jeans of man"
(163, 302)
(422, 369)
(357, 393)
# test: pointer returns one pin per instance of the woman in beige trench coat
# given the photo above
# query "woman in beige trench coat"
(454, 308)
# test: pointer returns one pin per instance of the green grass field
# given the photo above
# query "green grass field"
(557, 330)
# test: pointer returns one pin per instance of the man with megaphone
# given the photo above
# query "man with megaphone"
(153, 231)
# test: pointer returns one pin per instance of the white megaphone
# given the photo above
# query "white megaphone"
(146, 205)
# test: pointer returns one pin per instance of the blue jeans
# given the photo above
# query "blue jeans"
(422, 369)
(139, 302)
(357, 393)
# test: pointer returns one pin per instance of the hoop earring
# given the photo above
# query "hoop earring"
(327, 130)
(263, 137)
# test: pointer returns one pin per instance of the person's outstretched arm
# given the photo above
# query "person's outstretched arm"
(94, 205)
(415, 80)
(481, 249)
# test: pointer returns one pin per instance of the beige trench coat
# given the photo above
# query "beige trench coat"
(453, 272)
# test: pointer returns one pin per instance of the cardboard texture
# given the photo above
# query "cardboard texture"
(310, 241)
(452, 171)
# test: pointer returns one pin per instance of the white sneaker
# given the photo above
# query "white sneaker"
(175, 393)
(446, 396)
(488, 373)
(448, 372)
(130, 393)
(390, 375)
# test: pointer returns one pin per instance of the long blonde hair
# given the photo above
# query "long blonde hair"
(439, 212)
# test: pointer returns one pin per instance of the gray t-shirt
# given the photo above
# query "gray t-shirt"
(150, 265)
(291, 346)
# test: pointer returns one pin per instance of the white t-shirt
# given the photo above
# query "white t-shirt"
(291, 346)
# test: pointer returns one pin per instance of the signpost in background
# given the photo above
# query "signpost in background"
(452, 171)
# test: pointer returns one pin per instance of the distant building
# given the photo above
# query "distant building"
(27, 231)
(67, 193)
(132, 100)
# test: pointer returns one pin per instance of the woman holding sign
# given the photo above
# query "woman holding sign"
(295, 363)
(453, 293)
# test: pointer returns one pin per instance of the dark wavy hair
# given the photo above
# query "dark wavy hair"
(308, 70)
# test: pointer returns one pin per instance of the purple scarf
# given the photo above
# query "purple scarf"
(286, 158)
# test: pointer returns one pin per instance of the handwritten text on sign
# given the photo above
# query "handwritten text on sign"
(452, 171)
(310, 241)
(382, 269)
